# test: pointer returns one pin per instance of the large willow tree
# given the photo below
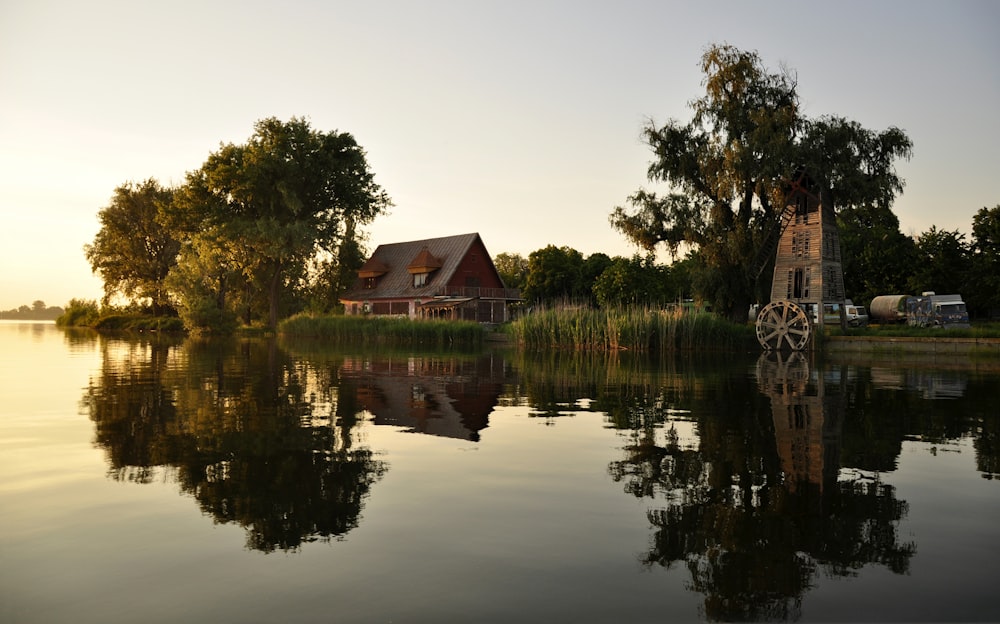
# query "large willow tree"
(277, 202)
(728, 169)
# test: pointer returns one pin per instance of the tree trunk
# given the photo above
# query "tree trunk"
(272, 295)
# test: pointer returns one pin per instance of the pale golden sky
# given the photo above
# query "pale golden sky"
(518, 120)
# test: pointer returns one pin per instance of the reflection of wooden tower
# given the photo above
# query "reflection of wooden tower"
(808, 282)
(808, 412)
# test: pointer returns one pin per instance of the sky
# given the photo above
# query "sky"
(520, 120)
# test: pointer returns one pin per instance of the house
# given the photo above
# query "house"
(451, 277)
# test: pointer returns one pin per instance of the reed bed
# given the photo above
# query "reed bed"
(629, 328)
(384, 330)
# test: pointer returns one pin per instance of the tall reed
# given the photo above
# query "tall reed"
(632, 328)
(384, 330)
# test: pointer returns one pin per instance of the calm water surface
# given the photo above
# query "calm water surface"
(163, 480)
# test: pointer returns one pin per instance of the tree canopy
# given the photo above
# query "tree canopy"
(289, 193)
(135, 247)
(728, 169)
(984, 277)
(878, 259)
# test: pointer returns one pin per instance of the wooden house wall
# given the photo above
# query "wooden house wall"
(475, 270)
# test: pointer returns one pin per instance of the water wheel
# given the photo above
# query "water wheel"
(783, 325)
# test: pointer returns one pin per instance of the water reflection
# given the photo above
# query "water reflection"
(759, 476)
(232, 423)
(752, 504)
(443, 396)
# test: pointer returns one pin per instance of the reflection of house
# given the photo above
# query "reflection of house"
(451, 277)
(443, 397)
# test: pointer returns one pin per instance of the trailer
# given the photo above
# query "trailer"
(925, 310)
(886, 309)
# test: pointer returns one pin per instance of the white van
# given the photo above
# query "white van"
(857, 316)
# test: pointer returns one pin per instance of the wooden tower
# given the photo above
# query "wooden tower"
(808, 283)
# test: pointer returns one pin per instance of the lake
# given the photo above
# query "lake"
(157, 479)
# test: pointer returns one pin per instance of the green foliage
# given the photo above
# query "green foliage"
(728, 169)
(139, 322)
(80, 313)
(984, 270)
(634, 281)
(554, 273)
(278, 200)
(877, 257)
(591, 269)
(513, 269)
(87, 313)
(135, 248)
(634, 328)
(379, 330)
(942, 262)
(200, 281)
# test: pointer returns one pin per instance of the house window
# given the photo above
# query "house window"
(370, 282)
(419, 279)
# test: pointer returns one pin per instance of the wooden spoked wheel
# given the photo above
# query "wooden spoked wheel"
(783, 325)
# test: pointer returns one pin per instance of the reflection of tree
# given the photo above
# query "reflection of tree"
(238, 424)
(753, 507)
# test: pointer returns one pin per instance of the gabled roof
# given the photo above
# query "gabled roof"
(397, 281)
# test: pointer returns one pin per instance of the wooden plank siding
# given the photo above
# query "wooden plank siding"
(808, 269)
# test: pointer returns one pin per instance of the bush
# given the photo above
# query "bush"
(79, 313)
(139, 322)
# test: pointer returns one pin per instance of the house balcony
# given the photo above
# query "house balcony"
(474, 292)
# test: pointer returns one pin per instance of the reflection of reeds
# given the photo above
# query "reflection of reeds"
(383, 330)
(632, 328)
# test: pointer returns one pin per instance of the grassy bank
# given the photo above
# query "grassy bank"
(632, 328)
(392, 330)
(978, 330)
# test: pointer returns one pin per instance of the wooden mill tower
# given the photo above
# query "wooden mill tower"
(808, 283)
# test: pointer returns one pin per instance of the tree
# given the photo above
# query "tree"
(554, 273)
(634, 280)
(513, 269)
(984, 292)
(877, 258)
(942, 262)
(593, 266)
(729, 168)
(285, 196)
(135, 248)
(201, 281)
